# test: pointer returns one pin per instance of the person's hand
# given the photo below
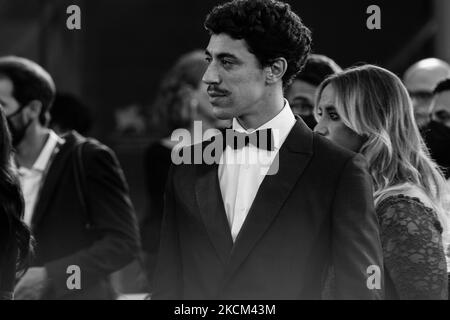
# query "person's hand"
(32, 285)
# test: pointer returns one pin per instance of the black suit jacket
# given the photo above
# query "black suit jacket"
(59, 222)
(316, 212)
(8, 253)
(437, 139)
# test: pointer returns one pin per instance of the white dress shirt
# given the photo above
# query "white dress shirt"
(242, 171)
(31, 179)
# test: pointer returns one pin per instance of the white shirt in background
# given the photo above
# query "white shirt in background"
(31, 179)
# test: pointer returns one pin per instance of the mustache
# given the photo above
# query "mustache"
(216, 90)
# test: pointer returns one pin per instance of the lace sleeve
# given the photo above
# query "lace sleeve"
(412, 248)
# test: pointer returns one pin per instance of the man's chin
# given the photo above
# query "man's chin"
(220, 114)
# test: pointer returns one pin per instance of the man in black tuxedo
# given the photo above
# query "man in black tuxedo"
(271, 228)
(76, 197)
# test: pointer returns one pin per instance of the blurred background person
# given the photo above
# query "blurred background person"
(76, 196)
(420, 79)
(437, 132)
(368, 110)
(437, 137)
(69, 113)
(15, 237)
(181, 100)
(302, 91)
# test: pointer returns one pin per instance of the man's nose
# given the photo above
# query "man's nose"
(211, 76)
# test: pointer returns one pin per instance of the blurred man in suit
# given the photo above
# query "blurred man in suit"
(76, 197)
(302, 91)
(267, 229)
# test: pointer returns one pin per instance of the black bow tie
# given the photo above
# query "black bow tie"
(262, 139)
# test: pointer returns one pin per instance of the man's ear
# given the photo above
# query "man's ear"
(33, 109)
(276, 70)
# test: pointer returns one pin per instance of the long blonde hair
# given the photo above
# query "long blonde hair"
(374, 103)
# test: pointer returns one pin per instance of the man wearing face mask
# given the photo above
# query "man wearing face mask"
(302, 91)
(437, 132)
(17, 131)
(76, 233)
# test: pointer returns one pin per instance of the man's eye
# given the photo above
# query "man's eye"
(208, 59)
(319, 113)
(226, 62)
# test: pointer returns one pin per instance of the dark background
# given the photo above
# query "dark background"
(119, 56)
(124, 47)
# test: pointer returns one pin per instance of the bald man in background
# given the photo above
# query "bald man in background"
(421, 79)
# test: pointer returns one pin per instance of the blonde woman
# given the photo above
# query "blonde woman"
(367, 109)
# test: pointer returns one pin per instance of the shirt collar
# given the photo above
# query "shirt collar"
(281, 125)
(44, 157)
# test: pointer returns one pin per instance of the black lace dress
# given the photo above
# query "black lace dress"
(415, 265)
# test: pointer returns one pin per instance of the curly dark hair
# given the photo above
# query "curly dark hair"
(270, 28)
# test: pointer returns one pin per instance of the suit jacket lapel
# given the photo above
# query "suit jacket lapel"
(51, 181)
(212, 211)
(294, 156)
